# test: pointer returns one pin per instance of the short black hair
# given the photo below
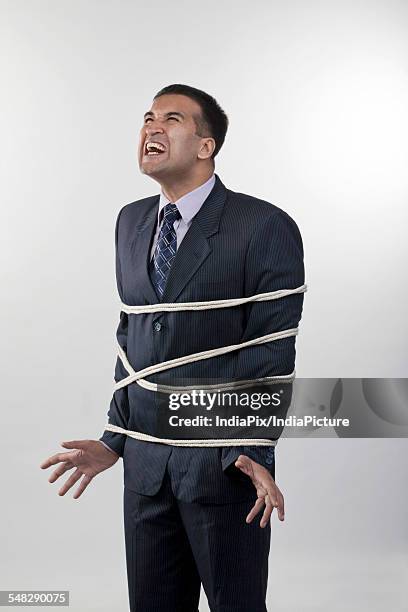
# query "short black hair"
(213, 121)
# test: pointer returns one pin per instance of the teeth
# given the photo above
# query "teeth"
(154, 145)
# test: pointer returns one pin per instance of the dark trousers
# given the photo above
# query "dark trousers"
(173, 546)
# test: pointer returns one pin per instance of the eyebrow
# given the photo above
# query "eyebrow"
(150, 114)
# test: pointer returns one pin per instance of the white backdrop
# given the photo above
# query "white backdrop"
(316, 94)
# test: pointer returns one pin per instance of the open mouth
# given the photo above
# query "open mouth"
(154, 148)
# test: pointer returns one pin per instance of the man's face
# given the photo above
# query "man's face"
(170, 123)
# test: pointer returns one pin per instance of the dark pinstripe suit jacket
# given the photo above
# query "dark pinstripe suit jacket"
(237, 246)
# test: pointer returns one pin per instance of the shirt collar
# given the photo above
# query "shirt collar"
(191, 202)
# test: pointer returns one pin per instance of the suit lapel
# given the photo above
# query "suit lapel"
(141, 254)
(195, 247)
(192, 252)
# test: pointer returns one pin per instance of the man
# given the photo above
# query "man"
(189, 512)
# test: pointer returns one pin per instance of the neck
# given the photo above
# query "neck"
(175, 188)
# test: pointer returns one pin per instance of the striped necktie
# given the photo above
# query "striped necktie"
(166, 248)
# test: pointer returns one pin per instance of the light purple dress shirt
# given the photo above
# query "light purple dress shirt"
(188, 205)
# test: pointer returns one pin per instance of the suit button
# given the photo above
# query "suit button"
(157, 326)
(269, 460)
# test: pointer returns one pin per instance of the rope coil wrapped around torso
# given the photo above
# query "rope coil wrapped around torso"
(138, 376)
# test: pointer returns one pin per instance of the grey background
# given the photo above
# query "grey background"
(317, 94)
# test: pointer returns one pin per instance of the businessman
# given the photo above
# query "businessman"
(189, 512)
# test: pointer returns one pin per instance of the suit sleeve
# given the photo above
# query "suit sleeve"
(118, 413)
(274, 261)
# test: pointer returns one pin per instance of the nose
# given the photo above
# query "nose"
(153, 128)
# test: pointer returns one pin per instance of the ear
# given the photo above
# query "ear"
(207, 148)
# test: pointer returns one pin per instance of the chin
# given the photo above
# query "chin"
(147, 168)
(152, 172)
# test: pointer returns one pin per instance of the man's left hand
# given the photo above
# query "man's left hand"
(267, 491)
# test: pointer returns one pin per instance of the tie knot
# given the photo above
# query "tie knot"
(171, 212)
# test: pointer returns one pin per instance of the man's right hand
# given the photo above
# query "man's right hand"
(90, 457)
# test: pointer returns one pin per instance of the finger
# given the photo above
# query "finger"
(75, 444)
(54, 459)
(60, 471)
(281, 507)
(70, 482)
(84, 483)
(244, 464)
(267, 512)
(242, 460)
(277, 501)
(255, 509)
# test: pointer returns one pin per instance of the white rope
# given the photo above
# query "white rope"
(216, 442)
(168, 306)
(138, 377)
(238, 384)
(165, 365)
